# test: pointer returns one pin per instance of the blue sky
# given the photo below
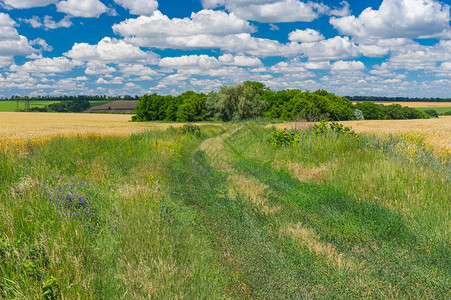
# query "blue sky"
(118, 47)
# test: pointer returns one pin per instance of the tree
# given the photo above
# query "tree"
(238, 102)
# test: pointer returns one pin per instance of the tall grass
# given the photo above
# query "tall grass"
(223, 214)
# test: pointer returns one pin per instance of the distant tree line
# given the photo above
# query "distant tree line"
(253, 99)
(70, 98)
(395, 99)
(62, 106)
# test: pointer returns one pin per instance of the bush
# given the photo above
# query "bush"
(432, 113)
(286, 137)
(186, 129)
(448, 113)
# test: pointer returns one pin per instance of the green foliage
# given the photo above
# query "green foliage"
(431, 112)
(186, 129)
(373, 111)
(313, 107)
(69, 106)
(238, 102)
(50, 290)
(448, 113)
(292, 137)
(187, 107)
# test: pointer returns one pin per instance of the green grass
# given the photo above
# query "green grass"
(11, 106)
(439, 110)
(170, 219)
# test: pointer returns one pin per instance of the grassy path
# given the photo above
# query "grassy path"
(170, 215)
(287, 239)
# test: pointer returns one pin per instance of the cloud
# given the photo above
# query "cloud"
(206, 29)
(417, 57)
(96, 68)
(348, 66)
(240, 60)
(331, 49)
(397, 19)
(46, 65)
(189, 61)
(111, 50)
(51, 24)
(48, 22)
(12, 43)
(82, 8)
(305, 36)
(139, 7)
(206, 22)
(277, 11)
(42, 43)
(128, 70)
(20, 4)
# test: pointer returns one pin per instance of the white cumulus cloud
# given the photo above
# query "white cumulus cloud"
(277, 11)
(46, 65)
(12, 43)
(348, 66)
(82, 8)
(27, 3)
(139, 7)
(111, 50)
(397, 19)
(305, 36)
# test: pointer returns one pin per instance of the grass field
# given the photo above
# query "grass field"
(439, 110)
(11, 106)
(169, 215)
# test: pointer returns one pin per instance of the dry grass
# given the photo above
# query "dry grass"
(434, 133)
(310, 239)
(303, 173)
(417, 104)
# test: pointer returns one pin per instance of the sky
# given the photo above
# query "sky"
(133, 47)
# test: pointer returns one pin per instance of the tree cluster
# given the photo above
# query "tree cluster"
(373, 111)
(70, 98)
(63, 106)
(250, 100)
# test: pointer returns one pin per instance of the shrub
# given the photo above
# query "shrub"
(186, 129)
(432, 113)
(286, 137)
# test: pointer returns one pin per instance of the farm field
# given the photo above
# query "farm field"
(111, 209)
(11, 106)
(439, 110)
(21, 126)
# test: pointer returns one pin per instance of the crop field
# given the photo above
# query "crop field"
(11, 106)
(108, 209)
(20, 126)
(439, 110)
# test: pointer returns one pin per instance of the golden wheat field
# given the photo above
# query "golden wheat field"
(17, 127)
(434, 133)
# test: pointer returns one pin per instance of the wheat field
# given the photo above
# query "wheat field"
(25, 126)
